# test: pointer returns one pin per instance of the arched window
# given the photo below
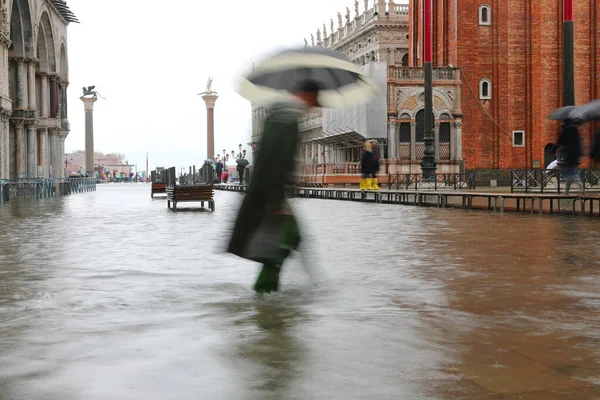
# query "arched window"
(485, 89)
(485, 15)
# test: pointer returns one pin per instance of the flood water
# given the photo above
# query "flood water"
(108, 295)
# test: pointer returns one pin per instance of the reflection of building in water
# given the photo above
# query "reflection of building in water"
(114, 162)
(34, 75)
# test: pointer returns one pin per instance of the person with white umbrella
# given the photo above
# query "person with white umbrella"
(291, 83)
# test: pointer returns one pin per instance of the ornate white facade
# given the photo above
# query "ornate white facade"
(33, 89)
(377, 40)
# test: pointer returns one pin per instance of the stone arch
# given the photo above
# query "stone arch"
(405, 60)
(21, 29)
(64, 63)
(45, 45)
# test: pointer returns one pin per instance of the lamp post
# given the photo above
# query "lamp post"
(568, 55)
(428, 164)
(568, 67)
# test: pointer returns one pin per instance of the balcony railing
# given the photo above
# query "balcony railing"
(401, 9)
(418, 73)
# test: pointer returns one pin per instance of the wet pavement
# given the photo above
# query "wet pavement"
(108, 295)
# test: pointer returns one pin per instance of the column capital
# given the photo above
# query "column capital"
(88, 102)
(31, 124)
(458, 123)
(19, 123)
(210, 100)
(53, 131)
(4, 114)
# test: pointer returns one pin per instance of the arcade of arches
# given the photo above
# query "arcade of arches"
(33, 88)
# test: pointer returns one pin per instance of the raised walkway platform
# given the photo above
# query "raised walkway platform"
(495, 200)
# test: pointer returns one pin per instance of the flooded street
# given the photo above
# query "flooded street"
(108, 295)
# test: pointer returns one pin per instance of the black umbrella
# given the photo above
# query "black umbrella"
(586, 112)
(242, 161)
(562, 113)
(341, 83)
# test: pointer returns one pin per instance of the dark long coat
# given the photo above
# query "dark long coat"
(273, 172)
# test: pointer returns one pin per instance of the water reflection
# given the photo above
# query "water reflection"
(108, 295)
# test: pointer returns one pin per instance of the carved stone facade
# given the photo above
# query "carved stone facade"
(33, 89)
(378, 41)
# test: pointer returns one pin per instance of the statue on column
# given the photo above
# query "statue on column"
(332, 28)
(324, 31)
(340, 20)
(366, 5)
(305, 42)
(209, 85)
(356, 8)
(312, 39)
(347, 15)
(318, 36)
(89, 91)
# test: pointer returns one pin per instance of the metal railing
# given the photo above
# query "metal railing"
(553, 181)
(42, 188)
(453, 181)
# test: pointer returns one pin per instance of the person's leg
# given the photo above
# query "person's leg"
(363, 182)
(268, 279)
(375, 182)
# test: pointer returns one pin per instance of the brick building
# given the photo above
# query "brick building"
(510, 56)
(497, 76)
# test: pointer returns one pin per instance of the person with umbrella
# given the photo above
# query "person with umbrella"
(266, 230)
(569, 144)
(242, 163)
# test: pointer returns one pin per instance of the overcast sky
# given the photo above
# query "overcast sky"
(151, 58)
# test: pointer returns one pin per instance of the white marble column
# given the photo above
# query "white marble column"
(392, 141)
(44, 89)
(32, 151)
(31, 85)
(21, 147)
(458, 139)
(44, 158)
(436, 130)
(413, 141)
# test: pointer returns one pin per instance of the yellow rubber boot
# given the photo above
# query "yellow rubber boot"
(376, 184)
(369, 184)
(363, 184)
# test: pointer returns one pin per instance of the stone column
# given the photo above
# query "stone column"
(31, 85)
(21, 147)
(44, 90)
(32, 151)
(458, 139)
(53, 97)
(210, 99)
(21, 88)
(88, 104)
(436, 128)
(53, 153)
(44, 159)
(392, 141)
(3, 144)
(61, 153)
(413, 141)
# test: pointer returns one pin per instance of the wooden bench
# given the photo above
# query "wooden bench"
(158, 188)
(180, 194)
(191, 190)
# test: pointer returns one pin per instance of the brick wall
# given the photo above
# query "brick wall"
(521, 54)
